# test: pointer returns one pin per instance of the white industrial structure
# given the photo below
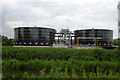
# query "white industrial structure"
(119, 19)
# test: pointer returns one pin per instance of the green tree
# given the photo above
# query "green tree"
(7, 42)
(116, 41)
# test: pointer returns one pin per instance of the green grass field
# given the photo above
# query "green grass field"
(39, 62)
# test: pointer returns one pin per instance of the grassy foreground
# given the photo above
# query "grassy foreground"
(32, 62)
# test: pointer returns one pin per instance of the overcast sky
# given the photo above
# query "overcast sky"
(58, 14)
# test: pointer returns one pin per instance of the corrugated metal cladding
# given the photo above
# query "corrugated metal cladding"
(34, 36)
(88, 36)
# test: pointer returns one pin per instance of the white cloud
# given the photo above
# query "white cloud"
(40, 12)
(73, 14)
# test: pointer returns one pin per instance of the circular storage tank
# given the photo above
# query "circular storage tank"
(34, 36)
(88, 36)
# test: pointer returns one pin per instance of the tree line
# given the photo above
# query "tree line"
(116, 42)
(5, 41)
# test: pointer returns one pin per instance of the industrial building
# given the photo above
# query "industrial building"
(92, 36)
(97, 37)
(41, 36)
(34, 36)
(65, 37)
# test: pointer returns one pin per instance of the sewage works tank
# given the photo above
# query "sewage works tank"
(34, 36)
(88, 36)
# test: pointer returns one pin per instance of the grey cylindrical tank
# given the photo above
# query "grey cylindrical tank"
(88, 36)
(34, 36)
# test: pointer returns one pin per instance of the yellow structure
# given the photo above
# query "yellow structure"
(77, 42)
(96, 43)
